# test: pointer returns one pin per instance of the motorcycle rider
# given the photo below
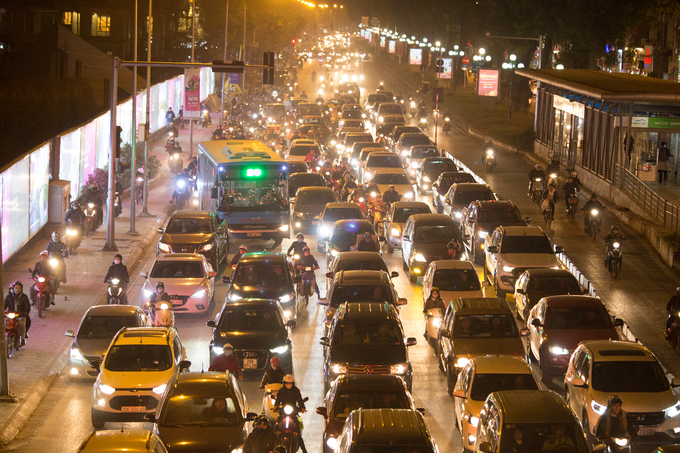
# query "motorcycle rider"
(93, 196)
(303, 95)
(75, 216)
(348, 185)
(673, 310)
(120, 271)
(42, 267)
(577, 181)
(454, 249)
(591, 204)
(184, 176)
(227, 362)
(551, 195)
(298, 246)
(489, 145)
(368, 244)
(290, 395)
(434, 301)
(553, 167)
(373, 188)
(169, 116)
(57, 249)
(613, 236)
(536, 172)
(570, 187)
(614, 423)
(307, 260)
(273, 375)
(17, 302)
(241, 251)
(193, 166)
(261, 439)
(357, 194)
(391, 195)
(159, 296)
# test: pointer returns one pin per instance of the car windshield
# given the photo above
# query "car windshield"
(308, 109)
(177, 269)
(485, 326)
(416, 139)
(367, 334)
(352, 114)
(361, 293)
(553, 286)
(536, 437)
(526, 244)
(456, 280)
(188, 226)
(248, 320)
(333, 215)
(260, 273)
(375, 97)
(484, 384)
(438, 166)
(138, 357)
(361, 265)
(296, 167)
(448, 181)
(302, 150)
(391, 178)
(422, 153)
(625, 376)
(101, 327)
(402, 214)
(352, 139)
(347, 233)
(200, 410)
(384, 161)
(387, 109)
(319, 197)
(347, 402)
(465, 197)
(499, 215)
(577, 317)
(435, 233)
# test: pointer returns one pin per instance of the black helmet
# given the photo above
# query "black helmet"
(594, 195)
(614, 227)
(306, 249)
(160, 285)
(451, 245)
(119, 256)
(280, 449)
(261, 420)
(17, 283)
(614, 399)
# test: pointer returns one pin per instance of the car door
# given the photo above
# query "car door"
(406, 240)
(463, 384)
(520, 295)
(469, 227)
(492, 258)
(448, 199)
(427, 281)
(444, 342)
(575, 397)
(536, 332)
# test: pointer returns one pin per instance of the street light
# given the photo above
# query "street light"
(437, 43)
(482, 50)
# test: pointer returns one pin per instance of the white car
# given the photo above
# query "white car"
(600, 368)
(379, 159)
(454, 278)
(188, 278)
(510, 250)
(397, 177)
(479, 378)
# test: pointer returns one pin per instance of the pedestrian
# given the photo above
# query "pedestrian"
(662, 156)
(630, 145)
(227, 362)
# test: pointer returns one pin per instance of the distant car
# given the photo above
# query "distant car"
(331, 214)
(429, 170)
(309, 203)
(395, 133)
(396, 217)
(454, 278)
(385, 109)
(298, 151)
(131, 440)
(298, 180)
(416, 155)
(376, 160)
(296, 167)
(535, 284)
(344, 236)
(407, 140)
(460, 196)
(441, 186)
(397, 177)
(353, 137)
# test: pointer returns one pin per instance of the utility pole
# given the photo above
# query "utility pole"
(111, 221)
(243, 59)
(147, 143)
(5, 396)
(226, 29)
(133, 157)
(193, 34)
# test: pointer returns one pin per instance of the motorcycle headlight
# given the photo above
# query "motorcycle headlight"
(181, 184)
(75, 354)
(556, 350)
(106, 389)
(115, 281)
(71, 232)
(163, 247)
(597, 408)
(338, 368)
(594, 212)
(408, 195)
(394, 232)
(508, 268)
(404, 152)
(197, 294)
(279, 350)
(426, 178)
(400, 368)
(621, 442)
(553, 175)
(195, 202)
(217, 349)
(11, 315)
(458, 215)
(165, 307)
(437, 321)
(616, 245)
(288, 410)
(160, 389)
(284, 227)
(672, 411)
(423, 120)
(332, 443)
(90, 205)
(420, 258)
(206, 248)
(54, 262)
(489, 153)
(147, 293)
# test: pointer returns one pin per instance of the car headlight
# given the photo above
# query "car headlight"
(408, 195)
(381, 119)
(163, 247)
(426, 178)
(206, 248)
(285, 298)
(160, 389)
(482, 234)
(238, 450)
(414, 164)
(672, 411)
(556, 350)
(420, 258)
(462, 362)
(75, 354)
(234, 297)
(324, 230)
(394, 232)
(147, 293)
(399, 368)
(367, 175)
(471, 419)
(508, 268)
(338, 368)
(332, 443)
(197, 294)
(458, 215)
(284, 227)
(217, 349)
(598, 408)
(106, 389)
(279, 350)
(334, 253)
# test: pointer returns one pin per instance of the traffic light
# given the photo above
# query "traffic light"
(235, 67)
(268, 73)
(440, 65)
(119, 140)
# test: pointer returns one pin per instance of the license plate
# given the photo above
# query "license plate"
(250, 235)
(176, 301)
(133, 409)
(250, 364)
(646, 432)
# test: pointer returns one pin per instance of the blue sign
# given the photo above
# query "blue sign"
(465, 67)
(233, 78)
(476, 64)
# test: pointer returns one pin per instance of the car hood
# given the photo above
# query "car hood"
(252, 340)
(197, 238)
(454, 295)
(475, 347)
(191, 439)
(93, 347)
(368, 356)
(135, 379)
(570, 338)
(310, 208)
(263, 291)
(529, 260)
(177, 286)
(640, 401)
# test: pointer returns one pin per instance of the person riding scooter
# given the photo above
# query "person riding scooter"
(289, 395)
(156, 298)
(593, 203)
(182, 178)
(58, 250)
(535, 173)
(93, 196)
(75, 216)
(307, 260)
(17, 302)
(391, 195)
(118, 270)
(454, 249)
(273, 375)
(298, 246)
(615, 423)
(242, 250)
(262, 439)
(42, 267)
(367, 244)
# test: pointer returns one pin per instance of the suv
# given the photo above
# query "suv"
(195, 232)
(535, 284)
(309, 203)
(398, 131)
(297, 181)
(510, 250)
(331, 213)
(356, 261)
(430, 169)
(459, 197)
(135, 373)
(375, 160)
(598, 369)
(345, 235)
(366, 338)
(473, 328)
(482, 217)
(386, 108)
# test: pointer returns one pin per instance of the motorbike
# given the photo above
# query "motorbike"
(205, 118)
(12, 336)
(72, 236)
(432, 323)
(618, 445)
(446, 127)
(175, 161)
(288, 427)
(673, 332)
(91, 218)
(43, 298)
(548, 215)
(139, 189)
(306, 285)
(116, 292)
(182, 188)
(117, 204)
(572, 205)
(269, 400)
(489, 160)
(58, 266)
(162, 315)
(422, 123)
(536, 189)
(594, 223)
(614, 258)
(413, 108)
(552, 179)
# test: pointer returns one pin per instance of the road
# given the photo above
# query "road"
(62, 420)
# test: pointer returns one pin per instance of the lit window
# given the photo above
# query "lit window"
(68, 17)
(101, 25)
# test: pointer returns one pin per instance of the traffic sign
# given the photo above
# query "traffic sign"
(465, 67)
(466, 61)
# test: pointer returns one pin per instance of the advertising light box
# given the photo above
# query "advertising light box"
(488, 82)
(415, 56)
(392, 46)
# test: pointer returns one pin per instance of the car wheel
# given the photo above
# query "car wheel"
(411, 276)
(390, 249)
(451, 379)
(543, 369)
(499, 292)
(97, 422)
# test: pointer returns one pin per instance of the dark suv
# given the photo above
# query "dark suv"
(195, 232)
(366, 338)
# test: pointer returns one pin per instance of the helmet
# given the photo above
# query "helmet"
(280, 449)
(305, 249)
(289, 378)
(434, 288)
(227, 346)
(261, 420)
(360, 185)
(17, 283)
(574, 174)
(275, 361)
(451, 245)
(300, 236)
(44, 253)
(94, 188)
(538, 167)
(160, 285)
(243, 247)
(119, 256)
(594, 195)
(56, 236)
(391, 187)
(614, 227)
(367, 234)
(614, 399)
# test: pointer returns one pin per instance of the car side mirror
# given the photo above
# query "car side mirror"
(460, 393)
(226, 280)
(492, 249)
(150, 418)
(160, 230)
(211, 323)
(520, 291)
(485, 447)
(144, 274)
(559, 249)
(402, 301)
(184, 365)
(524, 332)
(292, 323)
(329, 274)
(527, 220)
(325, 341)
(411, 341)
(536, 323)
(212, 274)
(250, 416)
(445, 333)
(618, 322)
(70, 333)
(394, 274)
(322, 301)
(578, 382)
(321, 410)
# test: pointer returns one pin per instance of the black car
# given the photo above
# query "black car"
(202, 411)
(344, 235)
(296, 167)
(356, 261)
(385, 128)
(441, 185)
(264, 275)
(298, 180)
(366, 338)
(398, 131)
(430, 169)
(258, 330)
(309, 203)
(535, 284)
(195, 232)
(409, 139)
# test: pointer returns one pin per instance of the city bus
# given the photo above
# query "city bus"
(245, 183)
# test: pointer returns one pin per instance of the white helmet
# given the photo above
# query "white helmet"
(56, 236)
(289, 378)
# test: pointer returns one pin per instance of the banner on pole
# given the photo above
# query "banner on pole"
(415, 56)
(192, 93)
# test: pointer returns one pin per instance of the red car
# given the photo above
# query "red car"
(557, 324)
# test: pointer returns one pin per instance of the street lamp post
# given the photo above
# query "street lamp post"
(147, 143)
(226, 28)
(511, 67)
(133, 157)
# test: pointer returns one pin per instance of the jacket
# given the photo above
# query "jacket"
(391, 197)
(272, 376)
(226, 363)
(260, 441)
(609, 426)
(297, 247)
(235, 259)
(431, 303)
(17, 304)
(308, 261)
(57, 248)
(74, 216)
(289, 396)
(118, 271)
(41, 268)
(369, 246)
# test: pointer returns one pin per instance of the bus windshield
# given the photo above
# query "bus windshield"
(245, 193)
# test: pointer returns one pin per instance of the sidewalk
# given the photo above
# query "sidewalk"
(34, 368)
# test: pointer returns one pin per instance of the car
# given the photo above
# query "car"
(376, 160)
(474, 328)
(275, 113)
(353, 391)
(358, 124)
(479, 378)
(137, 367)
(395, 133)
(330, 214)
(352, 114)
(393, 119)
(441, 186)
(415, 156)
(354, 153)
(92, 338)
(353, 137)
(195, 232)
(296, 167)
(535, 284)
(307, 108)
(372, 99)
(188, 278)
(429, 170)
(424, 240)
(397, 177)
(385, 109)
(388, 126)
(557, 324)
(510, 250)
(266, 275)
(345, 235)
(482, 217)
(459, 197)
(407, 140)
(366, 338)
(367, 150)
(298, 151)
(258, 329)
(600, 368)
(454, 278)
(203, 411)
(309, 203)
(299, 180)
(130, 440)
(352, 107)
(395, 219)
(356, 261)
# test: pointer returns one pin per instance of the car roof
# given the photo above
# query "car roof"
(112, 310)
(202, 378)
(500, 364)
(302, 174)
(362, 277)
(494, 204)
(432, 219)
(375, 382)
(179, 257)
(389, 171)
(480, 306)
(367, 312)
(342, 222)
(116, 440)
(359, 256)
(470, 186)
(522, 231)
(412, 134)
(453, 264)
(273, 257)
(191, 215)
(570, 301)
(409, 204)
(388, 427)
(315, 189)
(143, 335)
(617, 351)
(382, 153)
(543, 272)
(341, 204)
(532, 406)
(252, 303)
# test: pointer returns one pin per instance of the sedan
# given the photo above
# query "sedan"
(454, 278)
(396, 218)
(188, 278)
(397, 177)
(332, 213)
(345, 235)
(441, 186)
(430, 169)
(535, 284)
(309, 203)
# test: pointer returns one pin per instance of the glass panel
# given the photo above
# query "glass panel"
(39, 180)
